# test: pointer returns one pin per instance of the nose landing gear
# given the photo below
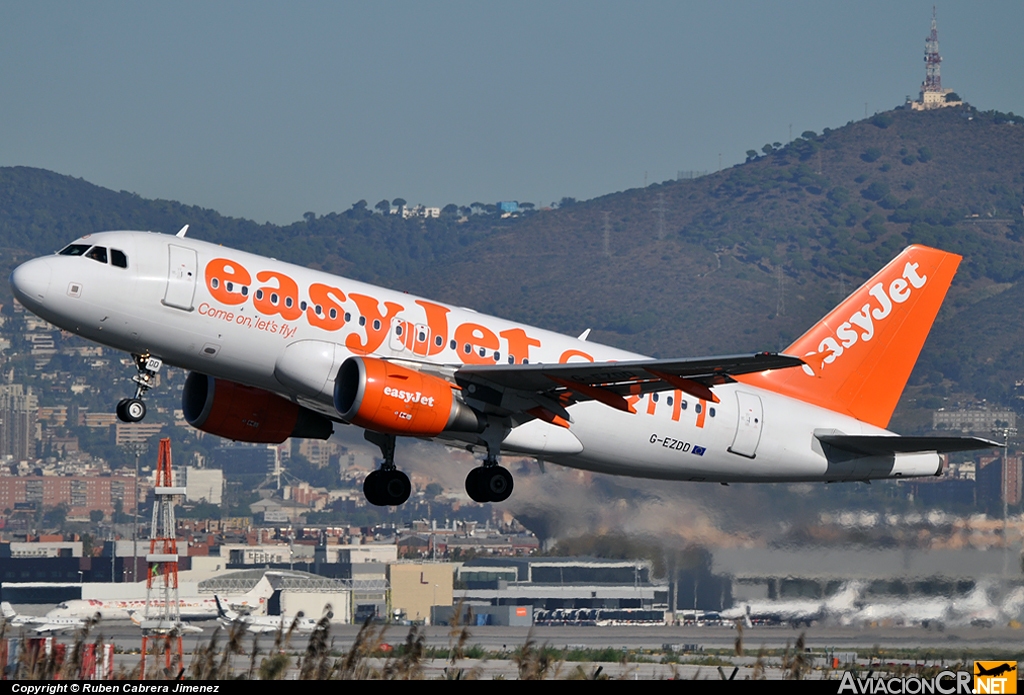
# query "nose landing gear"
(134, 409)
(386, 486)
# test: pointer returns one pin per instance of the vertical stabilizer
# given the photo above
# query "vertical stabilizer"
(860, 356)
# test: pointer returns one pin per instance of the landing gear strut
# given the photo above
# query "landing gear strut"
(134, 409)
(386, 486)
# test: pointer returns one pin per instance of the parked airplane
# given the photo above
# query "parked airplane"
(975, 608)
(163, 627)
(277, 351)
(41, 624)
(262, 624)
(797, 611)
(194, 608)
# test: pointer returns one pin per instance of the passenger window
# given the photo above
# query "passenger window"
(118, 259)
(74, 250)
(97, 253)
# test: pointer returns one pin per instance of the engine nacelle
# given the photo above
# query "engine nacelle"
(385, 397)
(247, 414)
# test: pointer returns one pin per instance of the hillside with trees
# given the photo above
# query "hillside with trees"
(739, 260)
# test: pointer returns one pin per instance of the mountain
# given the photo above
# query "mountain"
(739, 260)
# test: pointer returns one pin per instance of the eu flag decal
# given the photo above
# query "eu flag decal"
(699, 450)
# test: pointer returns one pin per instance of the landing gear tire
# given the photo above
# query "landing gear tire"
(489, 484)
(498, 482)
(371, 489)
(397, 487)
(131, 410)
(387, 488)
(474, 486)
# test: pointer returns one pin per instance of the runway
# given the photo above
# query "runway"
(498, 639)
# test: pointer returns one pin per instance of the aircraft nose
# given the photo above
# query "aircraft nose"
(31, 281)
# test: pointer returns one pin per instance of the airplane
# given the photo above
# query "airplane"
(41, 624)
(797, 612)
(163, 627)
(193, 608)
(999, 670)
(975, 608)
(264, 624)
(276, 350)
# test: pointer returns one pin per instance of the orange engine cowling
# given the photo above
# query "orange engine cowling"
(388, 398)
(247, 414)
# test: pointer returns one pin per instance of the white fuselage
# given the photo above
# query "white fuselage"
(197, 608)
(170, 301)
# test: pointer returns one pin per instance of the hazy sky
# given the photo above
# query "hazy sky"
(268, 110)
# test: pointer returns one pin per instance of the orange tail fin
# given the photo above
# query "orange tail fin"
(860, 356)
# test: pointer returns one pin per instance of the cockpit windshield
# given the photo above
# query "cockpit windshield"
(74, 250)
(96, 253)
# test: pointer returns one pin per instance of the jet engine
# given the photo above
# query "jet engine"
(247, 414)
(388, 398)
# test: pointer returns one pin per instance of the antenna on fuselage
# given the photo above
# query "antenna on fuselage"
(181, 232)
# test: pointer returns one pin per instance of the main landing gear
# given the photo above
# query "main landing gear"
(387, 486)
(489, 483)
(134, 409)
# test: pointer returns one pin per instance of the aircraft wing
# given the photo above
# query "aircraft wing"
(261, 629)
(608, 382)
(53, 627)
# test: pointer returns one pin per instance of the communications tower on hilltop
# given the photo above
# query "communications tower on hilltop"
(932, 59)
(933, 96)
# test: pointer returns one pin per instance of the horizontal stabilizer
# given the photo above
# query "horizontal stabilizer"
(882, 445)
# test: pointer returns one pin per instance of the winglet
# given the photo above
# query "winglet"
(859, 357)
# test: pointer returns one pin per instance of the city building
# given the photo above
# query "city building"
(982, 420)
(18, 408)
(78, 494)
